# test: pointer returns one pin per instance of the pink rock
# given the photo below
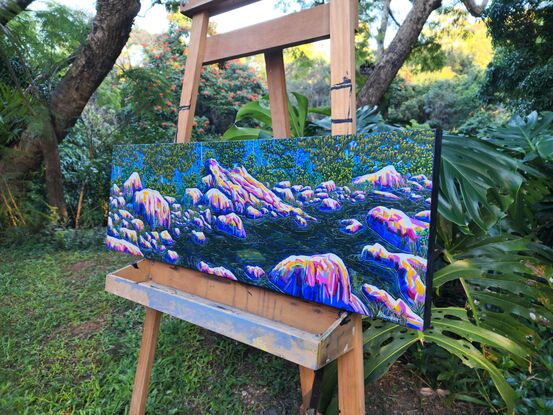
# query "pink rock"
(254, 272)
(245, 190)
(122, 246)
(132, 185)
(322, 278)
(171, 257)
(153, 207)
(219, 271)
(387, 195)
(231, 224)
(218, 201)
(384, 178)
(397, 307)
(409, 269)
(351, 226)
(192, 196)
(329, 186)
(396, 227)
(329, 205)
(253, 213)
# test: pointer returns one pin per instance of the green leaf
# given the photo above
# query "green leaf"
(241, 133)
(477, 183)
(256, 111)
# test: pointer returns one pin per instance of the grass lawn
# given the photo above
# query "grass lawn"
(68, 347)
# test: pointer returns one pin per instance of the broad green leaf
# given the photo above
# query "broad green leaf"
(256, 111)
(477, 183)
(241, 133)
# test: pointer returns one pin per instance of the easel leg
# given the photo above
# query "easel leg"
(145, 361)
(306, 379)
(351, 379)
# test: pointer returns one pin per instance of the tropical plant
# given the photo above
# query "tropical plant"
(494, 286)
(258, 113)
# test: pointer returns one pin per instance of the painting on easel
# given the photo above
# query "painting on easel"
(346, 221)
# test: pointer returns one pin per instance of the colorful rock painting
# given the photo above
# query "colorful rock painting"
(345, 221)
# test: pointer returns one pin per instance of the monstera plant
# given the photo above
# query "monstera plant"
(495, 210)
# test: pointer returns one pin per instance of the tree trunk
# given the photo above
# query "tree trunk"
(393, 57)
(11, 8)
(381, 35)
(53, 176)
(110, 31)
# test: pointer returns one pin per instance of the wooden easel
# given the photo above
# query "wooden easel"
(306, 333)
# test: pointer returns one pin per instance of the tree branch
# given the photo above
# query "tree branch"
(397, 52)
(110, 32)
(475, 9)
(11, 8)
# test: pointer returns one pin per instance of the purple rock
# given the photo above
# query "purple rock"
(219, 271)
(423, 216)
(283, 185)
(198, 237)
(351, 226)
(301, 222)
(328, 186)
(415, 185)
(398, 308)
(132, 185)
(218, 201)
(171, 257)
(385, 178)
(254, 272)
(253, 213)
(285, 194)
(166, 238)
(386, 195)
(329, 205)
(122, 246)
(322, 278)
(153, 208)
(410, 270)
(397, 228)
(231, 224)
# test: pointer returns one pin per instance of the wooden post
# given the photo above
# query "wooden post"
(342, 65)
(351, 379)
(145, 361)
(278, 98)
(191, 79)
(307, 376)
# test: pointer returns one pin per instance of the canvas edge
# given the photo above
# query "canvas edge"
(438, 134)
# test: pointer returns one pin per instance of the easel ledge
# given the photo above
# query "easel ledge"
(308, 334)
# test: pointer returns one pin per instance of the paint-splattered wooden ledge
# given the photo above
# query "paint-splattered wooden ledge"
(305, 333)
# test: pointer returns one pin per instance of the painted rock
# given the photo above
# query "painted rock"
(138, 225)
(408, 267)
(198, 237)
(171, 257)
(122, 246)
(351, 226)
(153, 208)
(323, 278)
(397, 228)
(192, 196)
(132, 185)
(329, 186)
(396, 307)
(386, 195)
(254, 272)
(253, 213)
(385, 178)
(218, 201)
(128, 235)
(219, 271)
(231, 224)
(166, 238)
(329, 205)
(423, 216)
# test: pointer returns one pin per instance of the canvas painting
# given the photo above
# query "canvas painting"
(346, 221)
